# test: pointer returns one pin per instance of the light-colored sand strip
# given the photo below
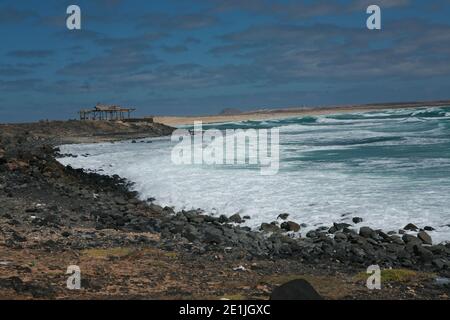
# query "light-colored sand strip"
(284, 113)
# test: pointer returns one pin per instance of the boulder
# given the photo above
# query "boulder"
(411, 227)
(424, 254)
(340, 236)
(357, 220)
(311, 234)
(156, 209)
(290, 226)
(410, 239)
(223, 219)
(283, 216)
(341, 226)
(366, 232)
(191, 233)
(298, 289)
(236, 218)
(269, 227)
(438, 263)
(120, 201)
(213, 235)
(425, 237)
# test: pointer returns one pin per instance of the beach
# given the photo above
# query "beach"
(53, 216)
(271, 114)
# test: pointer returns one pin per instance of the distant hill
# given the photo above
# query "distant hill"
(229, 111)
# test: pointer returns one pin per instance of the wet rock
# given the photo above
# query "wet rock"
(439, 263)
(357, 220)
(358, 252)
(120, 201)
(223, 219)
(290, 226)
(269, 227)
(213, 235)
(424, 254)
(428, 228)
(156, 209)
(332, 230)
(283, 216)
(299, 289)
(340, 236)
(396, 239)
(311, 234)
(410, 239)
(236, 218)
(168, 210)
(411, 227)
(341, 226)
(366, 232)
(192, 234)
(198, 219)
(425, 237)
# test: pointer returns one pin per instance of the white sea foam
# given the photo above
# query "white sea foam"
(315, 185)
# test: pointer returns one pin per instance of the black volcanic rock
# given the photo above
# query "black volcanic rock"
(366, 232)
(299, 289)
(425, 237)
(357, 220)
(290, 226)
(411, 227)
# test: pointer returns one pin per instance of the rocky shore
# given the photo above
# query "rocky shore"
(53, 216)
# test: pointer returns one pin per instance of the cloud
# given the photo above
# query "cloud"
(295, 9)
(18, 69)
(11, 15)
(114, 62)
(107, 2)
(175, 49)
(383, 4)
(30, 53)
(176, 22)
(282, 54)
(139, 42)
(19, 85)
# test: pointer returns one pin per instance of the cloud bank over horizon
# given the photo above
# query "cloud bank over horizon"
(201, 56)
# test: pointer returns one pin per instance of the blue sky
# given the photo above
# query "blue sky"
(201, 56)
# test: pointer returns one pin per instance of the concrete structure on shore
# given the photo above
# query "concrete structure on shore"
(106, 112)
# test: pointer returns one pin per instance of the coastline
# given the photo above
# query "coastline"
(273, 114)
(60, 215)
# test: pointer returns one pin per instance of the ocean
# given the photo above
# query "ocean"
(389, 167)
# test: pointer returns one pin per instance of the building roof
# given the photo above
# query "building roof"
(100, 107)
(106, 108)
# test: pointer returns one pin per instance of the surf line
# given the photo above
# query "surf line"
(239, 147)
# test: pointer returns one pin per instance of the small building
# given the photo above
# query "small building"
(106, 112)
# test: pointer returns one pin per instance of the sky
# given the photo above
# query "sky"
(191, 57)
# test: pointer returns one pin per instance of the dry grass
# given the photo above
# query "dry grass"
(397, 275)
(117, 252)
